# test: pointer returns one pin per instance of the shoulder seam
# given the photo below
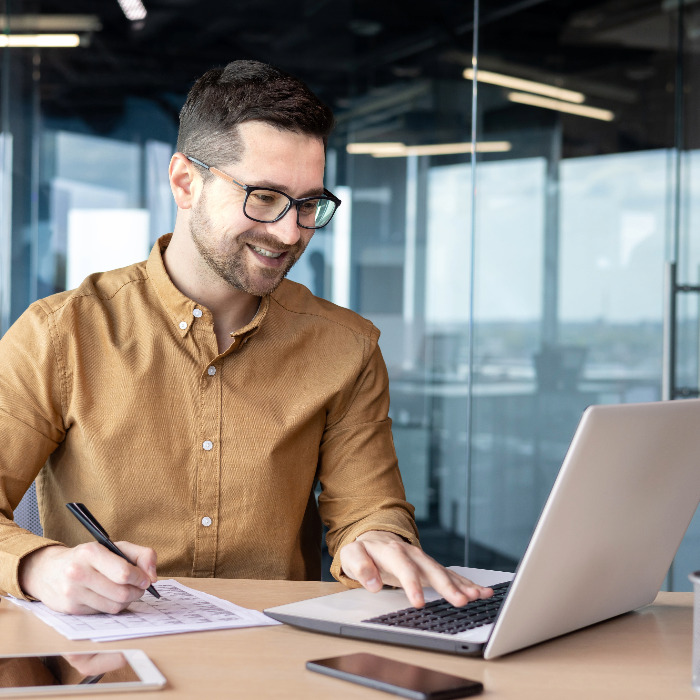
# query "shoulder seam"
(50, 311)
(58, 359)
(367, 335)
(26, 425)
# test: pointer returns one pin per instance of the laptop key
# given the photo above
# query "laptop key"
(440, 616)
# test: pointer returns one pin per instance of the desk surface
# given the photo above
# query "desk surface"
(645, 654)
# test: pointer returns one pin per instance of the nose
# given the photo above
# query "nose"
(286, 228)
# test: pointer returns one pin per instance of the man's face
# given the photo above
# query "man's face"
(255, 257)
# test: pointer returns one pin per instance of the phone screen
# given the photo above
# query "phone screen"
(72, 673)
(396, 677)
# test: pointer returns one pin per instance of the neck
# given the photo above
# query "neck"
(231, 308)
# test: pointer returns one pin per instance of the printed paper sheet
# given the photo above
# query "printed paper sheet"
(179, 609)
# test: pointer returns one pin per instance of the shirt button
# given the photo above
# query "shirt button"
(183, 325)
(206, 521)
(211, 371)
(197, 313)
(207, 445)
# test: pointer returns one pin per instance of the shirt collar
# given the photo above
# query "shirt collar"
(181, 309)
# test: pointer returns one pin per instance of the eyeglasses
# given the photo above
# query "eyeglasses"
(266, 205)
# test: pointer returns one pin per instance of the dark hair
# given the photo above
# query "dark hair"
(245, 91)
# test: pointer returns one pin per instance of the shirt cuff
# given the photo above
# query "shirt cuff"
(13, 551)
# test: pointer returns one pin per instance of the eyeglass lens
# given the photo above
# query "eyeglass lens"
(268, 205)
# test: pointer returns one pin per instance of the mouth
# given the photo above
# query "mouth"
(269, 258)
(266, 253)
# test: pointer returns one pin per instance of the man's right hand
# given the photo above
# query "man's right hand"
(87, 578)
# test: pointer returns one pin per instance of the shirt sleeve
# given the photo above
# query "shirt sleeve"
(31, 427)
(361, 484)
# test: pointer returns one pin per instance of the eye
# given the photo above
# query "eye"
(264, 198)
(308, 208)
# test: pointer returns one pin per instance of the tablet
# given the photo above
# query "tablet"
(74, 673)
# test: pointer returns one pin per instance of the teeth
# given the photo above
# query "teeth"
(266, 253)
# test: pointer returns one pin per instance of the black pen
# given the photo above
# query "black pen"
(89, 521)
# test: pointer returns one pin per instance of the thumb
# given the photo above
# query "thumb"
(359, 565)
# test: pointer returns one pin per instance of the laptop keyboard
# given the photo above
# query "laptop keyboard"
(441, 616)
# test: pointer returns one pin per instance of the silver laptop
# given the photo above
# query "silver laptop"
(617, 512)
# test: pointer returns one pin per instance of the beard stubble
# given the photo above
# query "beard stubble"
(233, 265)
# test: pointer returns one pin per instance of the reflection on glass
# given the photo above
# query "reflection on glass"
(67, 669)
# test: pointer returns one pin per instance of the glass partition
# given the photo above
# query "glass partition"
(588, 93)
(512, 290)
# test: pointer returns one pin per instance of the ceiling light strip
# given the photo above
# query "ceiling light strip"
(133, 9)
(399, 150)
(372, 148)
(50, 24)
(581, 110)
(23, 41)
(509, 81)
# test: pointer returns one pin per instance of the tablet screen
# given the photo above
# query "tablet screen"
(74, 672)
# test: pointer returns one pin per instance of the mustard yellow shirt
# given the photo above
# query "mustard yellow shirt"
(115, 395)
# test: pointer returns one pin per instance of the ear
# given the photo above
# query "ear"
(184, 182)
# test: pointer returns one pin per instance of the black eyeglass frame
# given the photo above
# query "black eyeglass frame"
(290, 200)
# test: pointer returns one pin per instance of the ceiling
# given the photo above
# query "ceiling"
(382, 65)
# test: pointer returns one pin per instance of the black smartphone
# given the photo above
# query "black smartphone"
(396, 677)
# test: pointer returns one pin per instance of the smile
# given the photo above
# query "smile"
(266, 253)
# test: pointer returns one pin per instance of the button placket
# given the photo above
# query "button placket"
(208, 473)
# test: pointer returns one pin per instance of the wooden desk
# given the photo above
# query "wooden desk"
(641, 655)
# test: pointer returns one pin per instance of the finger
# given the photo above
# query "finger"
(89, 602)
(390, 558)
(439, 578)
(456, 589)
(466, 588)
(409, 567)
(397, 568)
(67, 580)
(112, 566)
(466, 585)
(144, 557)
(358, 565)
(80, 591)
(106, 574)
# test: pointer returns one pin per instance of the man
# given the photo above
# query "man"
(193, 401)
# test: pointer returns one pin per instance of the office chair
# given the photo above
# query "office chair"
(27, 512)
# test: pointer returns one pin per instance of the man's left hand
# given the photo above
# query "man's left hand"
(377, 558)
